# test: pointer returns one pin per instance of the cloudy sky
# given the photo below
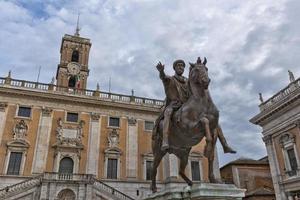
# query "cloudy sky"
(249, 45)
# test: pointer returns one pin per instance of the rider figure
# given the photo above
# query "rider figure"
(177, 93)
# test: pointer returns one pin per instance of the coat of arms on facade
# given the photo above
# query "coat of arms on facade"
(20, 130)
(69, 136)
(113, 139)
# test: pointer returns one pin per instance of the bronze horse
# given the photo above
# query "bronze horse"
(198, 118)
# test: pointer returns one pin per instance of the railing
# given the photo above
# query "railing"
(112, 191)
(88, 178)
(282, 94)
(19, 187)
(52, 176)
(67, 176)
(81, 92)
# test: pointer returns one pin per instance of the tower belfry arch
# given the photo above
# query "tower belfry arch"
(73, 68)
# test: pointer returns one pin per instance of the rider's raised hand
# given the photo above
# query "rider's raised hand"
(160, 67)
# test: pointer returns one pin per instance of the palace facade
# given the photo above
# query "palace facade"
(62, 141)
(253, 175)
(279, 118)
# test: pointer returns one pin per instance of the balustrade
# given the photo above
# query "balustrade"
(89, 93)
(282, 94)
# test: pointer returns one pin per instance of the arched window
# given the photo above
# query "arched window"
(66, 166)
(66, 194)
(72, 81)
(75, 56)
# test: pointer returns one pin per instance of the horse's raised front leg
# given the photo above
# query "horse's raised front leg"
(183, 164)
(157, 158)
(208, 148)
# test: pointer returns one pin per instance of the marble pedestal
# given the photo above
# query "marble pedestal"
(203, 191)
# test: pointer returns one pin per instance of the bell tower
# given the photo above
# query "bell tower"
(73, 69)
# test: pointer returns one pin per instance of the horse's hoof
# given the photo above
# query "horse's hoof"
(228, 149)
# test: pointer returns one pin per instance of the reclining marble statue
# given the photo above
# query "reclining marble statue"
(188, 116)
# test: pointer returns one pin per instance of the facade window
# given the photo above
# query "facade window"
(75, 56)
(195, 168)
(14, 164)
(288, 144)
(112, 168)
(114, 121)
(24, 111)
(149, 165)
(149, 125)
(292, 159)
(66, 166)
(72, 117)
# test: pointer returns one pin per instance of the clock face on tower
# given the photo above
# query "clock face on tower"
(73, 68)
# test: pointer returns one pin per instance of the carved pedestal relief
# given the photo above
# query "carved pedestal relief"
(68, 143)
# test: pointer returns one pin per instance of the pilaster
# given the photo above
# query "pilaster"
(2, 117)
(132, 148)
(273, 167)
(42, 143)
(94, 144)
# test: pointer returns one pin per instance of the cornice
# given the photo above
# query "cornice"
(268, 114)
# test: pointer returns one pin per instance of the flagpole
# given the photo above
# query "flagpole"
(109, 84)
(38, 77)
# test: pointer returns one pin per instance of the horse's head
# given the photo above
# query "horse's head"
(199, 73)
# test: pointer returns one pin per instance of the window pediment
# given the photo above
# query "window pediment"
(18, 143)
(113, 151)
(286, 139)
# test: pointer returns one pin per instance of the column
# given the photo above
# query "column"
(132, 149)
(2, 118)
(94, 144)
(42, 141)
(170, 167)
(273, 167)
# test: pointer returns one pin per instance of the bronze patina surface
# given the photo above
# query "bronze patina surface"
(189, 115)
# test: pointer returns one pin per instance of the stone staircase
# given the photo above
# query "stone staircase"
(21, 187)
(116, 194)
(33, 187)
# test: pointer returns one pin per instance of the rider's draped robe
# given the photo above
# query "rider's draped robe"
(177, 92)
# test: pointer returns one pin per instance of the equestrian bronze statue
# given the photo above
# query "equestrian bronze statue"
(188, 116)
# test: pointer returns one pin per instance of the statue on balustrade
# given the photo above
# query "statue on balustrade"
(188, 116)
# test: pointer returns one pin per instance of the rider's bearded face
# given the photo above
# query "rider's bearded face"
(179, 69)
